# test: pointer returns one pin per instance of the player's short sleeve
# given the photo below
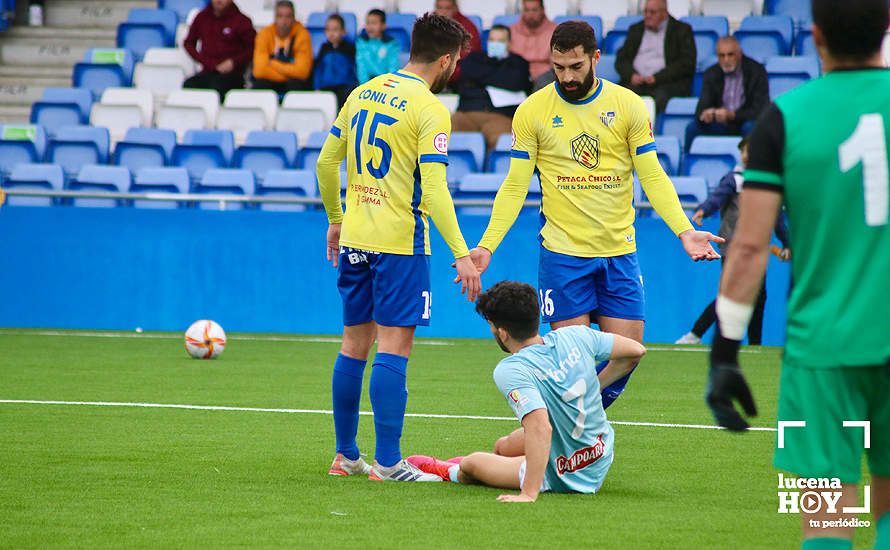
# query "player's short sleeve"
(525, 137)
(640, 138)
(516, 384)
(766, 146)
(597, 344)
(434, 132)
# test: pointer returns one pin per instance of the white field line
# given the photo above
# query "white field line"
(310, 339)
(328, 412)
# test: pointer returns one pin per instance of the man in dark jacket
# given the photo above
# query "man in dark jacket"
(658, 56)
(734, 92)
(499, 68)
(227, 38)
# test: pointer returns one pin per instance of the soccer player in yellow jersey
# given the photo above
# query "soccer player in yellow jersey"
(586, 135)
(394, 134)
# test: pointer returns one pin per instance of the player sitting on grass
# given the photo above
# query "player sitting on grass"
(565, 443)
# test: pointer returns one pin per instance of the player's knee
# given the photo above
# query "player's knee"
(469, 465)
(500, 445)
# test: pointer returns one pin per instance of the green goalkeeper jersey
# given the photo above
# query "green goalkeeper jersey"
(824, 146)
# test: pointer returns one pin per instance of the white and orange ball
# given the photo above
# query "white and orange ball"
(205, 340)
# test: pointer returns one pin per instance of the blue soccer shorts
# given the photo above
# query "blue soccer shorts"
(570, 286)
(391, 289)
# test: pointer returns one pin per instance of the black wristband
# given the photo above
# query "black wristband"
(724, 350)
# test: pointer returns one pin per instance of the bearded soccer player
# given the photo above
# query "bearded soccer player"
(551, 384)
(586, 135)
(394, 133)
(822, 149)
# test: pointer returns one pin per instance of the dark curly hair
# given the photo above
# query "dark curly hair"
(853, 29)
(512, 306)
(571, 34)
(434, 36)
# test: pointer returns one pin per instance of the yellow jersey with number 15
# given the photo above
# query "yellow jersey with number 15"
(391, 125)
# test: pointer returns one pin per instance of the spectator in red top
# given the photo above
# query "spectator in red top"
(227, 38)
(448, 8)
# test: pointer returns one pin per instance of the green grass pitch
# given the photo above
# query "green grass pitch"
(88, 476)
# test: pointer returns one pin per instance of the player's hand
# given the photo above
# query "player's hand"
(481, 258)
(515, 498)
(468, 277)
(698, 216)
(698, 244)
(333, 244)
(726, 384)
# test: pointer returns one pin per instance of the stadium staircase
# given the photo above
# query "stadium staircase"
(33, 58)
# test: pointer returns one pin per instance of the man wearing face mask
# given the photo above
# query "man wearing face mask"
(586, 136)
(497, 69)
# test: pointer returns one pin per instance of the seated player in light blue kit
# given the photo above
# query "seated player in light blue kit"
(565, 443)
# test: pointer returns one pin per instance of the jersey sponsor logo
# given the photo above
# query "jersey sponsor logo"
(517, 398)
(440, 142)
(558, 122)
(586, 151)
(581, 458)
(607, 117)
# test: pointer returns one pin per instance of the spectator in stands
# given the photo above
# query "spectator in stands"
(658, 57)
(531, 37)
(448, 8)
(376, 52)
(725, 198)
(486, 74)
(226, 36)
(734, 91)
(335, 65)
(282, 55)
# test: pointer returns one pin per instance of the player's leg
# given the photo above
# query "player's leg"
(755, 327)
(879, 454)
(490, 469)
(512, 444)
(621, 310)
(565, 289)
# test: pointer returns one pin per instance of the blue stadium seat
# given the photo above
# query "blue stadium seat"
(104, 68)
(402, 36)
(399, 26)
(225, 181)
(317, 20)
(499, 159)
(167, 18)
(606, 68)
(691, 189)
(160, 180)
(308, 154)
(678, 113)
(477, 186)
(61, 107)
(786, 73)
(476, 20)
(465, 155)
(668, 148)
(140, 37)
(506, 20)
(287, 183)
(615, 37)
(799, 10)
(93, 177)
(766, 36)
(75, 146)
(594, 21)
(145, 147)
(264, 151)
(707, 30)
(34, 176)
(804, 43)
(20, 143)
(711, 157)
(201, 150)
(182, 7)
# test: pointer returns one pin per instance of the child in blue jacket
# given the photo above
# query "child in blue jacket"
(334, 68)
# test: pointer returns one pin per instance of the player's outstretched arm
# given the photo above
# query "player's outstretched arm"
(328, 170)
(537, 453)
(507, 205)
(626, 353)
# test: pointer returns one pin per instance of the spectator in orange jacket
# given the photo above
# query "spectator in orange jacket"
(282, 55)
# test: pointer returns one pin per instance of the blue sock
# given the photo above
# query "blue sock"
(826, 543)
(389, 395)
(346, 384)
(610, 393)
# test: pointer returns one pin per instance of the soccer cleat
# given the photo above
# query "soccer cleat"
(456, 459)
(402, 471)
(342, 466)
(689, 338)
(432, 465)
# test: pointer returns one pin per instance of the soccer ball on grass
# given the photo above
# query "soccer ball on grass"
(205, 340)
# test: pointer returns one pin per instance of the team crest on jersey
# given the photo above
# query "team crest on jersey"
(608, 117)
(440, 142)
(586, 151)
(517, 398)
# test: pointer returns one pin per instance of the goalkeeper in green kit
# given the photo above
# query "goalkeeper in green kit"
(822, 149)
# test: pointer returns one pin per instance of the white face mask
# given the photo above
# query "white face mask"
(497, 50)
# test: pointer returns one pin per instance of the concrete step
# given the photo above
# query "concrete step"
(28, 72)
(14, 114)
(14, 91)
(42, 54)
(54, 34)
(94, 13)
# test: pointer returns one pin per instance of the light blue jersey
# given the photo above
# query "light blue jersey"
(560, 375)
